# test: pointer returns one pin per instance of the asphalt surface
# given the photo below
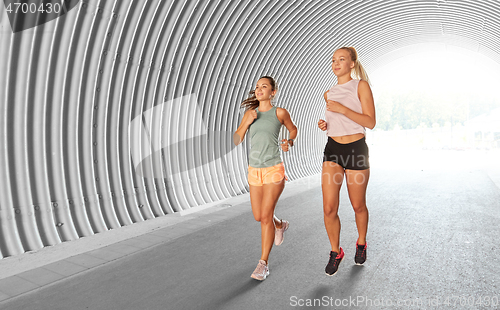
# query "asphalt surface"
(432, 244)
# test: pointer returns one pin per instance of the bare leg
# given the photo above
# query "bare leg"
(264, 199)
(357, 181)
(256, 193)
(331, 182)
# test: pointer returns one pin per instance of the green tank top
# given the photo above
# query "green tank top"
(264, 146)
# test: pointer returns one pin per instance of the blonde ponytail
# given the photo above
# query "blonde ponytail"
(358, 69)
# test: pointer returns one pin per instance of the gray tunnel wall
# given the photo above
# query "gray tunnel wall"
(118, 111)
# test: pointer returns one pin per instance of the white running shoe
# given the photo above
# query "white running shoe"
(261, 272)
(279, 232)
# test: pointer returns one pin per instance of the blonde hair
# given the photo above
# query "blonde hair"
(358, 69)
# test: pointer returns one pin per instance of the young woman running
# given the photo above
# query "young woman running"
(349, 109)
(266, 172)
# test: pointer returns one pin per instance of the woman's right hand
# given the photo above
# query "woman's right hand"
(251, 116)
(322, 124)
(248, 118)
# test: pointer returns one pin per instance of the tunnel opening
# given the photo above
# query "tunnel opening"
(437, 105)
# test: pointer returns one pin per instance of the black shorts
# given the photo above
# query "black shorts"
(353, 156)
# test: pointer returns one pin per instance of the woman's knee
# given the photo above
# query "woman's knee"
(330, 210)
(266, 219)
(359, 207)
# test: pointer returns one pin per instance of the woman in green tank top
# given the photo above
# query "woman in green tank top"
(266, 174)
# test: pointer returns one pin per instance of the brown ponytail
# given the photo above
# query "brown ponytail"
(251, 103)
(358, 69)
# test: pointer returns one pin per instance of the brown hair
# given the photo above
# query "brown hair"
(251, 103)
(358, 69)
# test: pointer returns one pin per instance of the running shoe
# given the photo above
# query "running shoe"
(333, 264)
(360, 257)
(261, 272)
(279, 232)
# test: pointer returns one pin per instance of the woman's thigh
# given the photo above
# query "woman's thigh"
(271, 192)
(357, 182)
(256, 194)
(332, 177)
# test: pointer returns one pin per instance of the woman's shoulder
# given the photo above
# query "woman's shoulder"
(363, 82)
(363, 85)
(281, 113)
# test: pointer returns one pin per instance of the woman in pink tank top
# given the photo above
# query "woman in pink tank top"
(349, 110)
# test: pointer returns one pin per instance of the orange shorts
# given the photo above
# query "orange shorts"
(261, 176)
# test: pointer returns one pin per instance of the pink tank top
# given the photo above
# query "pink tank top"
(347, 95)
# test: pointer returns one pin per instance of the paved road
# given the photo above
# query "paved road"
(432, 240)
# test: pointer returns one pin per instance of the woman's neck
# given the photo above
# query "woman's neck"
(343, 79)
(265, 105)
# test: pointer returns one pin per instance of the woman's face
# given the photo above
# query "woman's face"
(342, 63)
(264, 90)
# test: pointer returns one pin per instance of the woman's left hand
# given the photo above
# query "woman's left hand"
(334, 106)
(284, 145)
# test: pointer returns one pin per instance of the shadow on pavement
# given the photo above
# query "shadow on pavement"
(220, 295)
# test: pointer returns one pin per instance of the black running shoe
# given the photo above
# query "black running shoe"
(360, 257)
(333, 264)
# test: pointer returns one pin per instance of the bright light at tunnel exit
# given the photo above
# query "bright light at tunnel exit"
(438, 70)
(457, 83)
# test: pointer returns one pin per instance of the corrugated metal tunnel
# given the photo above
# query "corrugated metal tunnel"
(115, 112)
